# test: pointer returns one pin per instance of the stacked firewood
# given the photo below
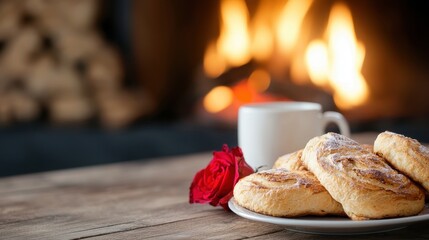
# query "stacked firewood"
(55, 63)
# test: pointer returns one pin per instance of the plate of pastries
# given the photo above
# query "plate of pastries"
(335, 185)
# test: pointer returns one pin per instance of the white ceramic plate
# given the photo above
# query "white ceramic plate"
(332, 225)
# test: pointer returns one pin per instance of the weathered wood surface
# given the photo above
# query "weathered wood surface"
(134, 200)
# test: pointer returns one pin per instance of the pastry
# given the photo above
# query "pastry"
(406, 155)
(363, 182)
(283, 193)
(290, 161)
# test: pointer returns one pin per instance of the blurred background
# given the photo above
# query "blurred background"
(85, 82)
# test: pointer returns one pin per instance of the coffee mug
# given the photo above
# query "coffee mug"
(267, 131)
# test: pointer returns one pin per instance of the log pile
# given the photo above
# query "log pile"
(55, 63)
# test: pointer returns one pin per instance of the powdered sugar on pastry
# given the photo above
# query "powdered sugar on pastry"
(405, 154)
(279, 192)
(361, 181)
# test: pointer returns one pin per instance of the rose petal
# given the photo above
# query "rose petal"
(215, 183)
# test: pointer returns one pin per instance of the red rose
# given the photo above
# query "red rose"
(215, 183)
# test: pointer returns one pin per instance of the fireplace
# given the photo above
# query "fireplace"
(193, 60)
(202, 61)
(363, 58)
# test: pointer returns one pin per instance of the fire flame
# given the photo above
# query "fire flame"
(338, 62)
(234, 40)
(317, 58)
(214, 63)
(290, 22)
(333, 63)
(261, 32)
(246, 91)
(239, 41)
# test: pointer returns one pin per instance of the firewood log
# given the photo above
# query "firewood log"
(40, 77)
(6, 116)
(73, 45)
(79, 14)
(66, 81)
(10, 16)
(24, 107)
(16, 55)
(120, 108)
(70, 109)
(15, 105)
(36, 7)
(105, 71)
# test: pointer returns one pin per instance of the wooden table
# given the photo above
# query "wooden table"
(135, 200)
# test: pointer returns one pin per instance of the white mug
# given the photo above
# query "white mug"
(267, 131)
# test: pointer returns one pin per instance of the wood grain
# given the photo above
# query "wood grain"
(133, 200)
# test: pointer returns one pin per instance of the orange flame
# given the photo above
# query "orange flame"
(214, 63)
(339, 62)
(333, 63)
(317, 58)
(289, 23)
(233, 41)
(238, 43)
(261, 32)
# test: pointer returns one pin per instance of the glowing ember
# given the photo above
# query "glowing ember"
(259, 80)
(218, 99)
(225, 101)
